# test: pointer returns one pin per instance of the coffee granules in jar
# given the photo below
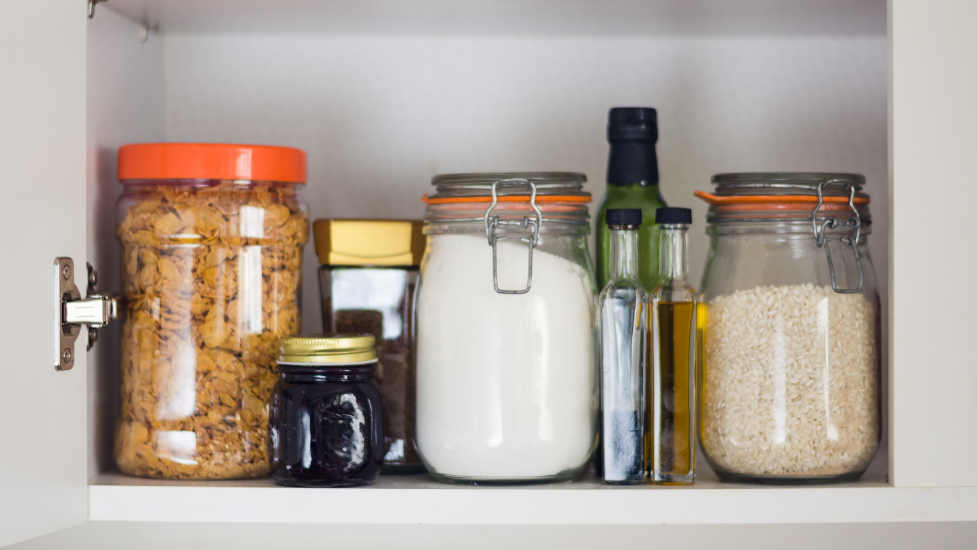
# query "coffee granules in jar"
(368, 278)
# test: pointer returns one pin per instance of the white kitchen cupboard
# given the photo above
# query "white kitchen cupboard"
(383, 95)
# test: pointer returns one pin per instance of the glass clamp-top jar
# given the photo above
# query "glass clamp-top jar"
(212, 239)
(791, 373)
(507, 384)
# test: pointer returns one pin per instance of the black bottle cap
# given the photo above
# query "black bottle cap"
(624, 216)
(673, 216)
(632, 124)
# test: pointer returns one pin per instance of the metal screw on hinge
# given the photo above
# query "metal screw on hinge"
(66, 355)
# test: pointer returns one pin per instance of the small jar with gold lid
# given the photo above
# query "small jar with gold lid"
(368, 278)
(326, 418)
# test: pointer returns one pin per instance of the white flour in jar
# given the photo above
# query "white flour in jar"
(506, 384)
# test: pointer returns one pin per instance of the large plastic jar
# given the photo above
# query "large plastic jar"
(212, 239)
(790, 320)
(507, 383)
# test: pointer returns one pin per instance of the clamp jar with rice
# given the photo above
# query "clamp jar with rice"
(507, 383)
(212, 239)
(790, 320)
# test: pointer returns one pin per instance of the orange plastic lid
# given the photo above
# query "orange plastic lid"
(212, 161)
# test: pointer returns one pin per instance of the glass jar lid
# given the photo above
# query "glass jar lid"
(566, 186)
(784, 196)
(831, 205)
(551, 199)
(783, 183)
(327, 349)
(509, 206)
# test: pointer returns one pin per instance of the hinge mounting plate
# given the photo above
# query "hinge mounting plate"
(72, 311)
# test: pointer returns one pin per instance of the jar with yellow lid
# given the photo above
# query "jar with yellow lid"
(326, 420)
(368, 277)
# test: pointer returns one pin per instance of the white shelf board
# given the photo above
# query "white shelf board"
(420, 500)
(513, 17)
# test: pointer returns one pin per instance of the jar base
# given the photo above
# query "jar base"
(402, 469)
(314, 484)
(562, 477)
(788, 480)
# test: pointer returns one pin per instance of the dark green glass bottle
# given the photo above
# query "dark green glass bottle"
(632, 182)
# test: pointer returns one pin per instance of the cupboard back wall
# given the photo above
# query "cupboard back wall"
(380, 116)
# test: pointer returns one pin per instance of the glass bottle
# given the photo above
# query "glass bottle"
(671, 411)
(632, 182)
(622, 328)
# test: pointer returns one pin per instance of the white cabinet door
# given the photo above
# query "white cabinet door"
(43, 483)
(933, 140)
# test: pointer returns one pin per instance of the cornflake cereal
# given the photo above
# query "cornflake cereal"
(790, 382)
(211, 276)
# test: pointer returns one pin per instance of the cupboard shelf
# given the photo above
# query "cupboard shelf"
(420, 500)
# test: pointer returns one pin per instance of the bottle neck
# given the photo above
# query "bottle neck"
(672, 257)
(632, 162)
(624, 250)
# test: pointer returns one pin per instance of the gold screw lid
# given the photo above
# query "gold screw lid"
(362, 242)
(327, 349)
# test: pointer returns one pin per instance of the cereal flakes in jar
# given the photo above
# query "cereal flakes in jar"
(211, 238)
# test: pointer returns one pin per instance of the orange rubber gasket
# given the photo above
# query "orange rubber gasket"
(507, 198)
(771, 201)
(782, 207)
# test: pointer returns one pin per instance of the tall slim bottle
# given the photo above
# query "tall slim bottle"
(622, 326)
(672, 380)
(632, 182)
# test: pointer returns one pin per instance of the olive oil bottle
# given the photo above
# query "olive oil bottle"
(670, 440)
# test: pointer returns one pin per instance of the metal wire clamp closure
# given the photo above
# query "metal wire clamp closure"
(493, 223)
(850, 241)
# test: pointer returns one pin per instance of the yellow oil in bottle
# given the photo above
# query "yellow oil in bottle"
(672, 439)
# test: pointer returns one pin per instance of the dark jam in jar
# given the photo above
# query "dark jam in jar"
(326, 425)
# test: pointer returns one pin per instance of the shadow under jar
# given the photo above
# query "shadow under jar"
(507, 380)
(212, 239)
(326, 426)
(790, 330)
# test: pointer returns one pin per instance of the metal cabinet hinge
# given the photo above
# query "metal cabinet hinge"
(95, 311)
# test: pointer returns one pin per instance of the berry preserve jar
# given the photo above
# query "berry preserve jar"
(790, 330)
(326, 425)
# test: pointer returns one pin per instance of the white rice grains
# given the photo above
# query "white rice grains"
(790, 382)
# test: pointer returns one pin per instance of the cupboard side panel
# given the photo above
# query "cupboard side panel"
(934, 160)
(43, 479)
